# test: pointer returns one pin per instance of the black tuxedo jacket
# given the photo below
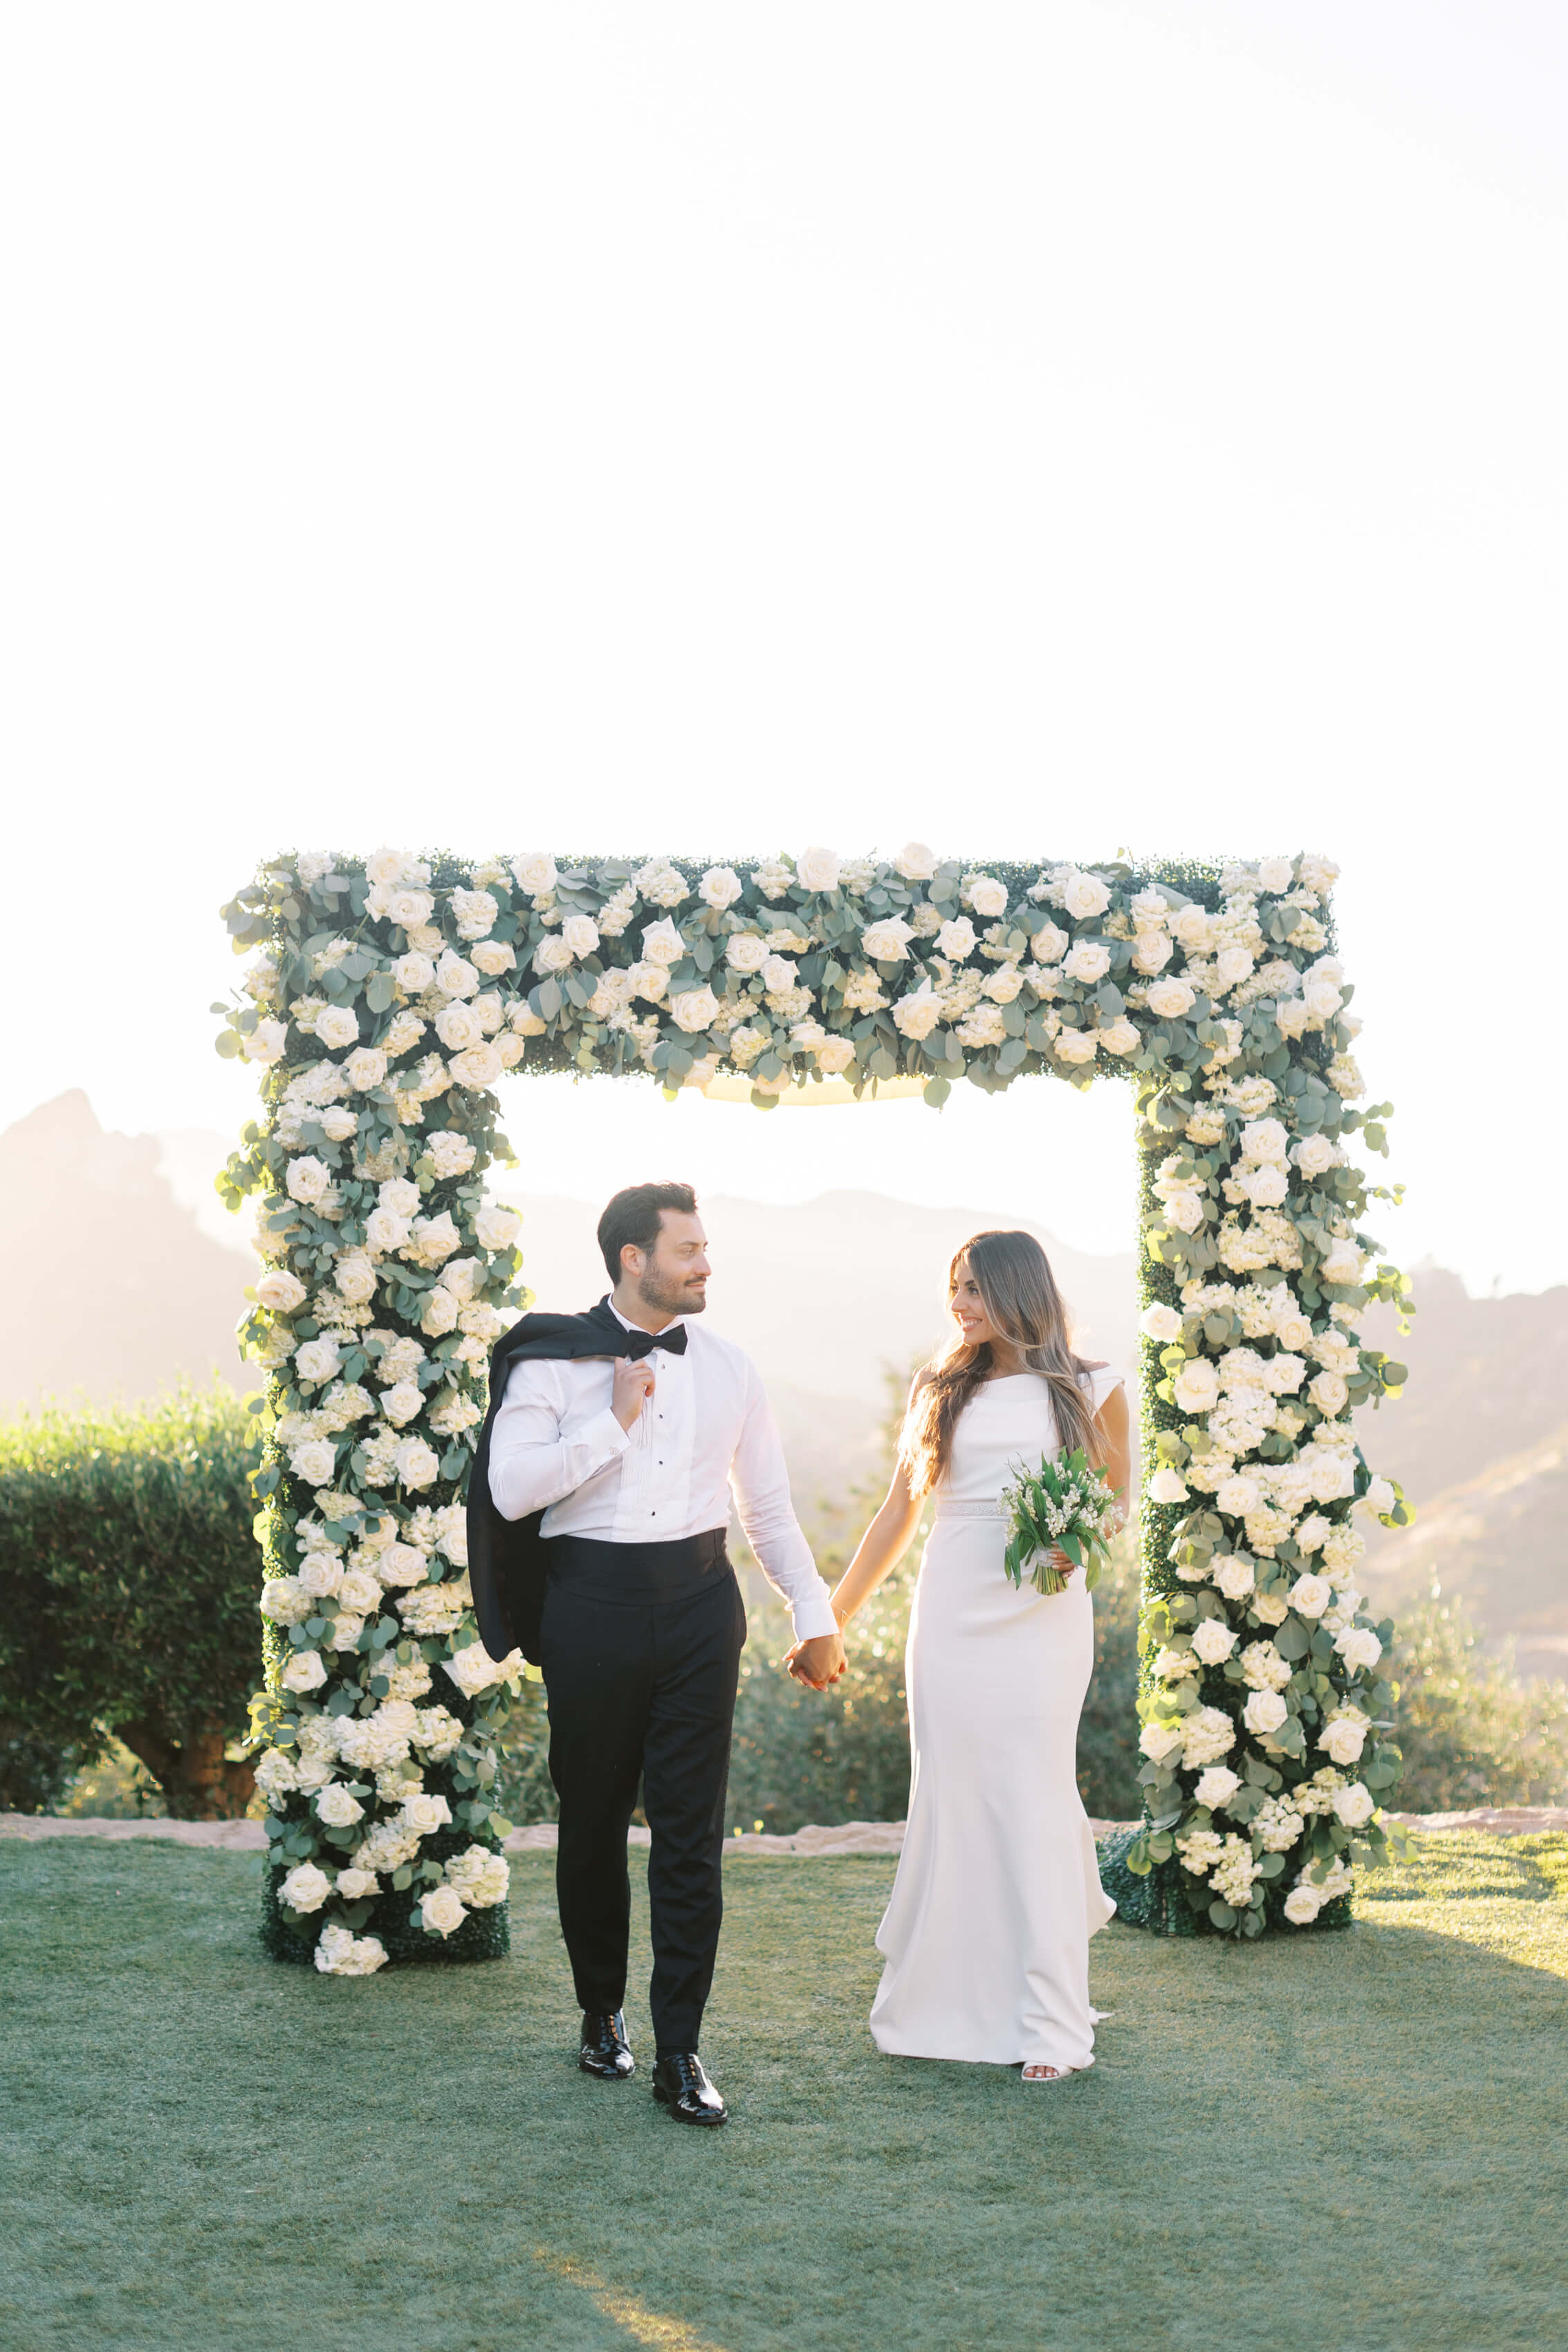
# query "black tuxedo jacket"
(505, 1557)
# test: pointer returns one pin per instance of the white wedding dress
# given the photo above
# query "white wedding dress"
(985, 1934)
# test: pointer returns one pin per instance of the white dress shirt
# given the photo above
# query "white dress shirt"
(706, 1432)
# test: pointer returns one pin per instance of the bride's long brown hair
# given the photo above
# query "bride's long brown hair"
(1018, 1289)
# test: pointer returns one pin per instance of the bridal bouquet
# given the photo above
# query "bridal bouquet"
(1064, 1505)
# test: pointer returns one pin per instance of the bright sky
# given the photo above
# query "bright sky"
(716, 428)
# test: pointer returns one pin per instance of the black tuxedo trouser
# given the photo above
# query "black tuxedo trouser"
(641, 1687)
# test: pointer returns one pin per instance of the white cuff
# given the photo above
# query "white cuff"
(814, 1617)
(604, 1433)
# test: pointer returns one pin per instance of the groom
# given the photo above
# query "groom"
(597, 1515)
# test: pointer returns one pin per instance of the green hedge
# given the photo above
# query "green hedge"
(129, 1577)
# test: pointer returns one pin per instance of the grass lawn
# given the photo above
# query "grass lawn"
(1348, 2141)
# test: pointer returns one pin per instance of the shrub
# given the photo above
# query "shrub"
(1471, 1733)
(128, 1598)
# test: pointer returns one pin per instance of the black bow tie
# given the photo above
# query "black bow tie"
(641, 1343)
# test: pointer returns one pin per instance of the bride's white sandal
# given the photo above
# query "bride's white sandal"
(1037, 2071)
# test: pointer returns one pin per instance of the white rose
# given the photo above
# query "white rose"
(1266, 1188)
(1151, 952)
(1197, 1386)
(440, 1313)
(306, 1888)
(402, 1402)
(441, 1910)
(314, 1462)
(353, 1885)
(1160, 1740)
(384, 1231)
(1237, 1496)
(366, 1068)
(1360, 1648)
(308, 1180)
(457, 1026)
(1166, 1487)
(552, 955)
(360, 1591)
(1311, 1595)
(1342, 1265)
(916, 1014)
(414, 973)
(955, 939)
(337, 1808)
(535, 876)
(317, 1359)
(694, 1009)
(1329, 1393)
(481, 1066)
(887, 942)
(496, 1228)
(320, 1574)
(580, 933)
(473, 1669)
(915, 862)
(836, 1055)
(463, 1276)
(1049, 944)
(265, 1042)
(1315, 1154)
(1233, 965)
(988, 897)
(1084, 896)
(1264, 1712)
(777, 974)
(493, 957)
(720, 886)
(1192, 927)
(1183, 1203)
(1275, 873)
(1090, 960)
(415, 1463)
(280, 1292)
(425, 1813)
(1322, 999)
(1217, 1786)
(1343, 1740)
(1212, 1640)
(818, 870)
(336, 1028)
(1354, 1805)
(1081, 1046)
(662, 943)
(1379, 1496)
(303, 1672)
(1160, 1322)
(745, 951)
(400, 1564)
(1302, 1905)
(1168, 999)
(1234, 1577)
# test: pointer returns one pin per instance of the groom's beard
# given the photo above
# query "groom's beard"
(673, 1294)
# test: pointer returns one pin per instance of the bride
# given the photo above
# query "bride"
(985, 1936)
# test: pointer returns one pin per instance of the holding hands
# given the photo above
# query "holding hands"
(819, 1662)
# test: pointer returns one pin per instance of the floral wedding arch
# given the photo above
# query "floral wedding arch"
(388, 997)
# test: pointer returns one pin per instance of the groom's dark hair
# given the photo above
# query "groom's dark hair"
(634, 1216)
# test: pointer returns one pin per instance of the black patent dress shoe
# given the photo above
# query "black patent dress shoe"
(605, 2051)
(681, 2084)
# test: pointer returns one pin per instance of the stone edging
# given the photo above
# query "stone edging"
(848, 1838)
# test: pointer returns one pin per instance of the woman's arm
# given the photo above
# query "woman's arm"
(880, 1548)
(1112, 1427)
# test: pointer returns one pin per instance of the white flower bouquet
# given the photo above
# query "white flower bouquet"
(1064, 1505)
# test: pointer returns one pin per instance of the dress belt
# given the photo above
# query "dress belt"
(992, 1508)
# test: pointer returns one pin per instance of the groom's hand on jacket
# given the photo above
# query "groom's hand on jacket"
(818, 1662)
